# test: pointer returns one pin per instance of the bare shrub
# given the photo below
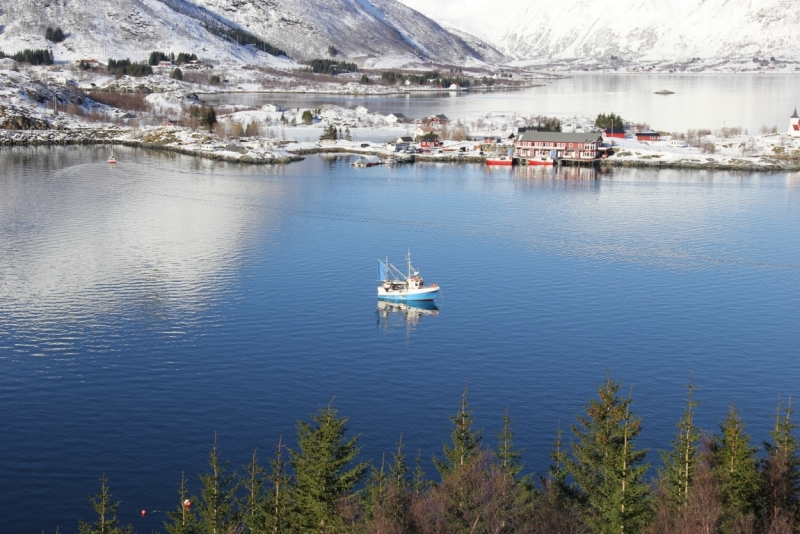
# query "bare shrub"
(252, 129)
(235, 129)
(708, 148)
(126, 101)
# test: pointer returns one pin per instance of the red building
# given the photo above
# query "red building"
(438, 119)
(430, 143)
(647, 135)
(575, 146)
(619, 133)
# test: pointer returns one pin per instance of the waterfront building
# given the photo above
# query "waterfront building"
(574, 146)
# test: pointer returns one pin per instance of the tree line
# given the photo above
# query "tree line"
(598, 481)
(32, 56)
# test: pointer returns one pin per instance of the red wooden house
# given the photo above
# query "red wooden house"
(619, 133)
(647, 135)
(574, 146)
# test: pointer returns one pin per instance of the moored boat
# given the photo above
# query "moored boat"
(505, 161)
(395, 285)
(541, 160)
(111, 159)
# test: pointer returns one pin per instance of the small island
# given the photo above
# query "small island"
(665, 92)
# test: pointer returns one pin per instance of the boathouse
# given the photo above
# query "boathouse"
(619, 133)
(647, 135)
(572, 146)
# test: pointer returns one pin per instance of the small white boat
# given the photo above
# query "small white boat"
(403, 287)
(367, 161)
(111, 159)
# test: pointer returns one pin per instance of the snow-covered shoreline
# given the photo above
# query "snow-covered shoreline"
(190, 143)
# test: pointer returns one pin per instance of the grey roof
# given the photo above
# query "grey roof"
(398, 115)
(794, 115)
(559, 137)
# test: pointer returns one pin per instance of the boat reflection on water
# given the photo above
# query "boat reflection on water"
(391, 313)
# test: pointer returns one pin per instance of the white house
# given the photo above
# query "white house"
(422, 131)
(794, 124)
(271, 107)
(454, 87)
(407, 82)
(394, 118)
(361, 110)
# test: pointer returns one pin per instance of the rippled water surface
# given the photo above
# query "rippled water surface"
(145, 307)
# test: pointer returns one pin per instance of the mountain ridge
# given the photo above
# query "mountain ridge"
(633, 30)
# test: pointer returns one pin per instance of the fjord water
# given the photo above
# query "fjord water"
(146, 308)
(712, 101)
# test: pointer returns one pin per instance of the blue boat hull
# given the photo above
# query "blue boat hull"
(413, 297)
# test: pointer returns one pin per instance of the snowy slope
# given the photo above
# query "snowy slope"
(369, 31)
(639, 30)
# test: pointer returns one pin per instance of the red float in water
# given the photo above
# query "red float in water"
(187, 504)
(144, 513)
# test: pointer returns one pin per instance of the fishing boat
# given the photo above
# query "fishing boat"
(111, 159)
(541, 160)
(409, 286)
(366, 161)
(506, 161)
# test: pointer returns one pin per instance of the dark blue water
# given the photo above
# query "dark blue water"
(147, 307)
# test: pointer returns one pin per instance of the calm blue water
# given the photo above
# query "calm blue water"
(146, 307)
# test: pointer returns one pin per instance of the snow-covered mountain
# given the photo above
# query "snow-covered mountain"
(636, 30)
(372, 32)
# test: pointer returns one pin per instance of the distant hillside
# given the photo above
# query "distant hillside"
(637, 30)
(376, 32)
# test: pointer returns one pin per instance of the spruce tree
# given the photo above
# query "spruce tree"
(106, 509)
(781, 467)
(418, 481)
(215, 508)
(558, 471)
(735, 468)
(323, 467)
(251, 503)
(680, 462)
(508, 456)
(279, 500)
(466, 443)
(398, 470)
(608, 469)
(182, 520)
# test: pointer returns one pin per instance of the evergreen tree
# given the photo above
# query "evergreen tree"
(607, 467)
(323, 467)
(398, 470)
(735, 468)
(251, 504)
(177, 74)
(209, 118)
(680, 462)
(307, 117)
(279, 500)
(558, 471)
(781, 467)
(377, 489)
(466, 442)
(215, 509)
(106, 509)
(347, 135)
(418, 480)
(182, 520)
(508, 456)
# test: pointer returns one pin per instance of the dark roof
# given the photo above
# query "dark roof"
(794, 115)
(559, 137)
(647, 132)
(398, 115)
(614, 130)
(440, 117)
(406, 139)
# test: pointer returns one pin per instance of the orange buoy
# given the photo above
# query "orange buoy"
(187, 504)
(144, 513)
